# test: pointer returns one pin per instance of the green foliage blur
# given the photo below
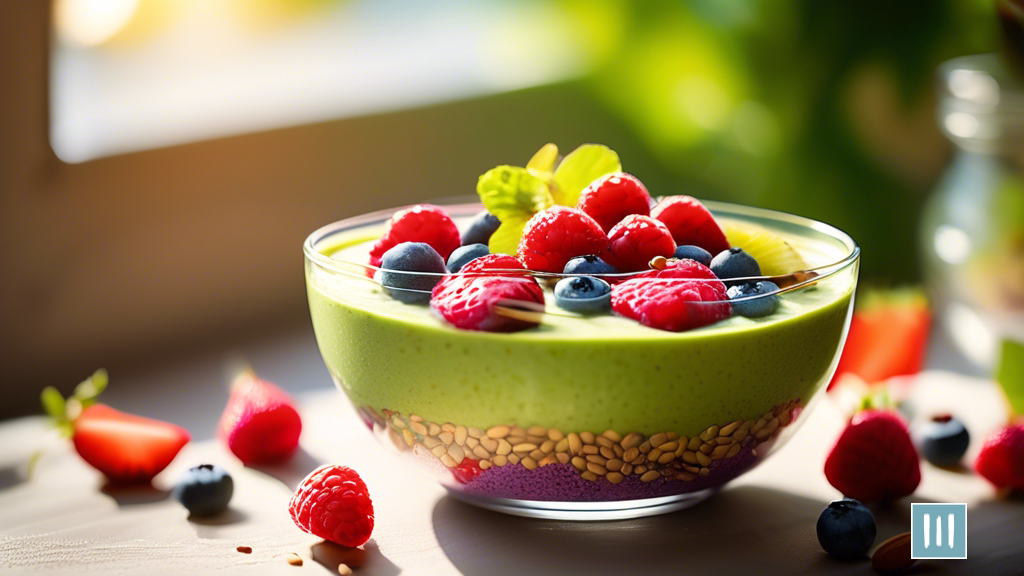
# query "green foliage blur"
(823, 108)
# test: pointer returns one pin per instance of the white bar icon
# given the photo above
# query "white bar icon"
(950, 531)
(927, 526)
(938, 531)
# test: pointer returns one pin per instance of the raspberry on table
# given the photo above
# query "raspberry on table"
(554, 236)
(634, 241)
(334, 504)
(611, 198)
(691, 223)
(421, 223)
(469, 302)
(682, 296)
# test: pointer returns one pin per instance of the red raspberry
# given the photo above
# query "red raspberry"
(684, 295)
(634, 241)
(1001, 460)
(691, 223)
(333, 503)
(421, 223)
(554, 236)
(611, 198)
(468, 302)
(493, 262)
(874, 459)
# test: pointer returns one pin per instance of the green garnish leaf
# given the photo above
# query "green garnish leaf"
(581, 167)
(543, 162)
(505, 239)
(53, 403)
(1010, 375)
(512, 193)
(89, 389)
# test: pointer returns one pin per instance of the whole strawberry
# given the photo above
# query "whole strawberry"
(874, 459)
(1001, 460)
(260, 424)
(334, 504)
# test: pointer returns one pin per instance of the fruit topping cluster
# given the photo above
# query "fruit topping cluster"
(585, 220)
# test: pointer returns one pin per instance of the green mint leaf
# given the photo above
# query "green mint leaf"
(511, 193)
(505, 239)
(581, 167)
(53, 403)
(543, 162)
(89, 389)
(1010, 375)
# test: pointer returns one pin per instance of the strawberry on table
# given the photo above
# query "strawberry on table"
(260, 423)
(1001, 460)
(637, 239)
(554, 236)
(611, 198)
(874, 459)
(691, 223)
(421, 223)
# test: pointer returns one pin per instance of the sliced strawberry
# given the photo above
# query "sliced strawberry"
(691, 223)
(888, 336)
(260, 424)
(126, 448)
(874, 459)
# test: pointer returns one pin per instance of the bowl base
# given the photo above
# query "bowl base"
(587, 511)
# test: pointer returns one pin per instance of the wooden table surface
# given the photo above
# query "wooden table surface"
(65, 521)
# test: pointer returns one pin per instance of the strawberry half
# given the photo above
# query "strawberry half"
(125, 447)
(874, 459)
(888, 336)
(260, 424)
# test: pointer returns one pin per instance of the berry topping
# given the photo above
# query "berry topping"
(735, 263)
(693, 253)
(754, 299)
(942, 440)
(411, 257)
(421, 223)
(502, 264)
(205, 490)
(846, 529)
(683, 295)
(466, 254)
(633, 242)
(691, 223)
(126, 448)
(466, 471)
(554, 236)
(334, 504)
(590, 265)
(611, 198)
(480, 229)
(1001, 460)
(260, 424)
(874, 459)
(776, 256)
(489, 303)
(584, 294)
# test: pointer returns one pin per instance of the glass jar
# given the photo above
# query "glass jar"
(973, 225)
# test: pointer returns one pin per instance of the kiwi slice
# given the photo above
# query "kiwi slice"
(775, 256)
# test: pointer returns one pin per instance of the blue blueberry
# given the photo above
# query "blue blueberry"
(465, 254)
(754, 299)
(583, 294)
(590, 265)
(693, 253)
(480, 229)
(411, 257)
(205, 490)
(943, 440)
(846, 529)
(734, 263)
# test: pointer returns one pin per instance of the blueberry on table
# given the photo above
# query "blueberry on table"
(584, 294)
(754, 299)
(590, 265)
(205, 490)
(400, 260)
(480, 229)
(943, 440)
(693, 253)
(465, 254)
(846, 529)
(734, 263)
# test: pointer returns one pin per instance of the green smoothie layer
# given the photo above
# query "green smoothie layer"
(572, 372)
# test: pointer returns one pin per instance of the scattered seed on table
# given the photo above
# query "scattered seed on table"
(244, 549)
(294, 559)
(344, 570)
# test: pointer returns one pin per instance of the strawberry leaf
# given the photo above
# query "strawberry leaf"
(53, 403)
(1010, 375)
(512, 193)
(89, 389)
(505, 239)
(581, 167)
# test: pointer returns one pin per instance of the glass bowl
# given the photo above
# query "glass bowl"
(580, 417)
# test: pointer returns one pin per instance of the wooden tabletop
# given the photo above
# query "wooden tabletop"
(65, 521)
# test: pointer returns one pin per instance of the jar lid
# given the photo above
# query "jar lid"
(981, 100)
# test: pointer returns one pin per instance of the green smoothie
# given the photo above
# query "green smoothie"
(575, 373)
